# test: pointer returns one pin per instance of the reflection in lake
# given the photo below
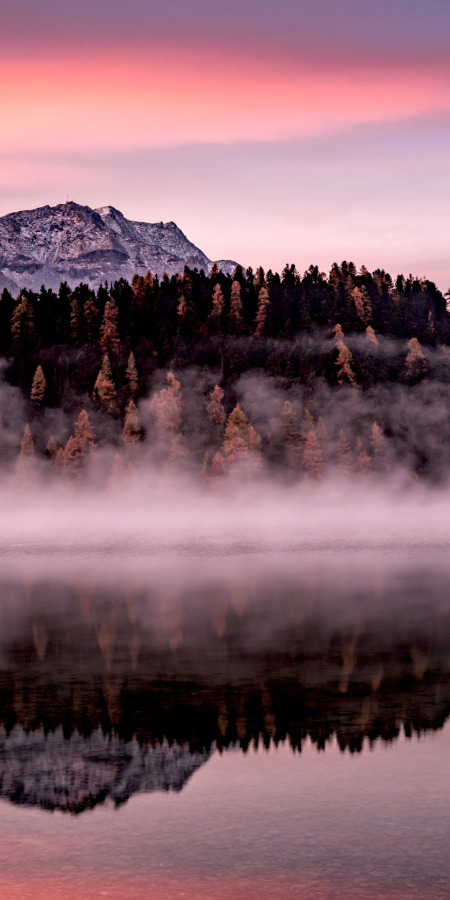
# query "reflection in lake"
(122, 682)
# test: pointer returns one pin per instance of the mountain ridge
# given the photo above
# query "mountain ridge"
(74, 243)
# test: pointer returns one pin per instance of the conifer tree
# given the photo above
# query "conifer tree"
(218, 306)
(236, 319)
(25, 465)
(338, 336)
(109, 340)
(38, 386)
(214, 407)
(22, 324)
(416, 363)
(132, 376)
(84, 433)
(104, 389)
(168, 407)
(363, 460)
(241, 444)
(345, 372)
(73, 459)
(263, 313)
(313, 461)
(260, 278)
(90, 313)
(371, 336)
(75, 321)
(346, 461)
(362, 303)
(306, 425)
(131, 432)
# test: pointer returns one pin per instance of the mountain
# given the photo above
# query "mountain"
(75, 243)
(45, 770)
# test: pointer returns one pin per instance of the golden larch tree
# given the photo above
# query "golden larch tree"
(262, 315)
(131, 432)
(38, 387)
(214, 407)
(109, 338)
(104, 389)
(313, 461)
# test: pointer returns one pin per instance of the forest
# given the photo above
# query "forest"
(218, 376)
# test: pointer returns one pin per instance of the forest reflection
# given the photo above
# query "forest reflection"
(157, 668)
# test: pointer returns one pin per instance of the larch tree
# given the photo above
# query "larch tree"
(131, 434)
(38, 387)
(345, 456)
(241, 444)
(109, 338)
(84, 433)
(218, 306)
(313, 461)
(263, 312)
(236, 320)
(25, 465)
(345, 372)
(363, 459)
(306, 425)
(168, 407)
(52, 448)
(116, 473)
(416, 363)
(291, 436)
(371, 336)
(132, 376)
(338, 335)
(214, 407)
(104, 389)
(362, 303)
(73, 459)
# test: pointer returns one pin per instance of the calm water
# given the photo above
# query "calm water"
(238, 727)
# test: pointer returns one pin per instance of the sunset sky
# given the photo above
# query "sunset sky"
(269, 131)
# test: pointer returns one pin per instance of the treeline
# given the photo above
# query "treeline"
(82, 362)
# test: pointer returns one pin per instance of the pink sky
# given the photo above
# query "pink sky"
(95, 104)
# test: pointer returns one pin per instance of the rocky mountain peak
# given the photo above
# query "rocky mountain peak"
(74, 243)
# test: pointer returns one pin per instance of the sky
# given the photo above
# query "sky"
(270, 131)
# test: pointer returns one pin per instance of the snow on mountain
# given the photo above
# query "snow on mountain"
(47, 771)
(75, 243)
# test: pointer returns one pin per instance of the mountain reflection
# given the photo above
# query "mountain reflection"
(108, 687)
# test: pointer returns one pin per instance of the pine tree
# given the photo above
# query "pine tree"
(344, 367)
(38, 386)
(131, 432)
(25, 465)
(313, 461)
(104, 390)
(306, 425)
(346, 461)
(75, 321)
(416, 363)
(168, 407)
(362, 303)
(263, 313)
(90, 313)
(132, 376)
(236, 320)
(214, 407)
(109, 339)
(218, 306)
(241, 444)
(84, 433)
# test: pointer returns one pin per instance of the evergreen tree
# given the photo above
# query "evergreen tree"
(90, 313)
(313, 461)
(132, 376)
(131, 431)
(104, 390)
(38, 386)
(109, 340)
(236, 319)
(75, 321)
(263, 313)
(214, 407)
(25, 465)
(168, 407)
